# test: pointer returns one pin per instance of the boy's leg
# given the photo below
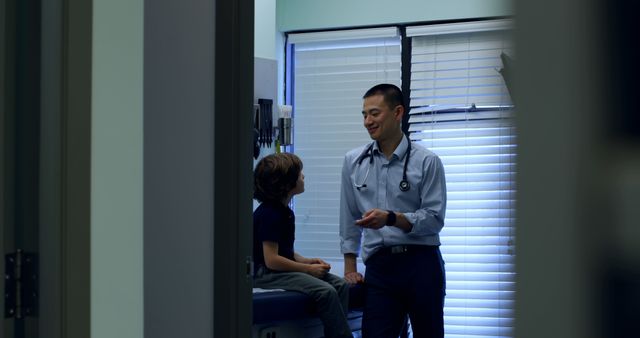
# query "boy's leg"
(325, 296)
(341, 287)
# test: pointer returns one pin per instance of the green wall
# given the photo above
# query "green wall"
(116, 173)
(310, 14)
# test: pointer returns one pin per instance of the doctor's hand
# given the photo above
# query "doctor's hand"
(353, 277)
(373, 219)
(318, 270)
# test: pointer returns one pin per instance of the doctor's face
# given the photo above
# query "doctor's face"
(381, 121)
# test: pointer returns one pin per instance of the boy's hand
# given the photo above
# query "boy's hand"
(319, 261)
(318, 270)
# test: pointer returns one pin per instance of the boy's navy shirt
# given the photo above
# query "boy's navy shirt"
(273, 222)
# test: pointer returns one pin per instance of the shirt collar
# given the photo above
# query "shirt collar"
(399, 152)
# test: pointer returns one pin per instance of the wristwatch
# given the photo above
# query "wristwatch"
(391, 218)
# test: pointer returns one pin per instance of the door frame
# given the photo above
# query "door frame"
(233, 179)
(66, 91)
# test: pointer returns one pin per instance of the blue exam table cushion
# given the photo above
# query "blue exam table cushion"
(280, 305)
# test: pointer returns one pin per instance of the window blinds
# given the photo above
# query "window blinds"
(330, 77)
(477, 149)
(459, 69)
(461, 110)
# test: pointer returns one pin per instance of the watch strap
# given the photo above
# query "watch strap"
(391, 218)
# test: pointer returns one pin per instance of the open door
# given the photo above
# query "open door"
(19, 180)
(45, 54)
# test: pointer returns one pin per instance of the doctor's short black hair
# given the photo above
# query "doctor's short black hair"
(275, 176)
(392, 94)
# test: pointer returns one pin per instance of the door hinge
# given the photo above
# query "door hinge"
(20, 285)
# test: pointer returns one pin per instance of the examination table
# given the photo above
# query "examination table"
(290, 314)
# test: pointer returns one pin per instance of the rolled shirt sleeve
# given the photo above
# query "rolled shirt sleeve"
(350, 234)
(429, 219)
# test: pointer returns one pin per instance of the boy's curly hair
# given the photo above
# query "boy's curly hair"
(275, 176)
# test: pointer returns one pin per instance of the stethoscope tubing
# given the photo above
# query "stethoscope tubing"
(404, 184)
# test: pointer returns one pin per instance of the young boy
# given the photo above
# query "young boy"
(277, 178)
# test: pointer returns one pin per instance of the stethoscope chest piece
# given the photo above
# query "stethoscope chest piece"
(404, 185)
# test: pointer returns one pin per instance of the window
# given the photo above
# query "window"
(460, 109)
(477, 149)
(331, 72)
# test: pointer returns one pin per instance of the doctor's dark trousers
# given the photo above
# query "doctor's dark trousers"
(399, 283)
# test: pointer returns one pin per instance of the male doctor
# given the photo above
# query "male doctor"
(392, 208)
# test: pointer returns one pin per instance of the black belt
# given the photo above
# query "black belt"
(399, 249)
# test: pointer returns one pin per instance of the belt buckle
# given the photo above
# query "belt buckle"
(399, 249)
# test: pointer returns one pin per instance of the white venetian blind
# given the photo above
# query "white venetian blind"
(461, 110)
(460, 67)
(330, 73)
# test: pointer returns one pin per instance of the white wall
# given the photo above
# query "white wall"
(265, 29)
(267, 64)
(116, 167)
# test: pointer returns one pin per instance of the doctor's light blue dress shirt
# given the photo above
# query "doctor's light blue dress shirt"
(423, 205)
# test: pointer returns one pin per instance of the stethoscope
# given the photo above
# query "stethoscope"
(404, 184)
